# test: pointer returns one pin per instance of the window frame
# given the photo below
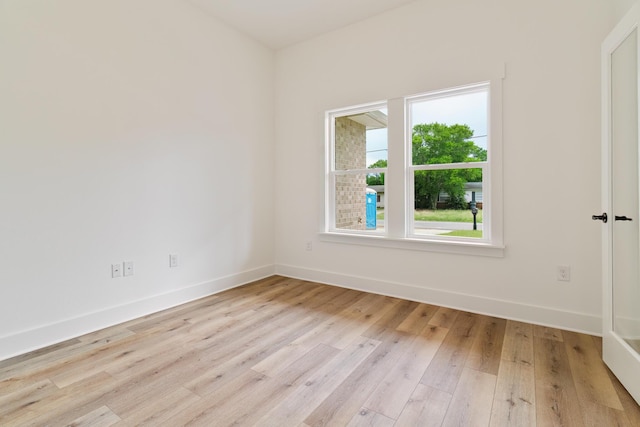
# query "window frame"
(330, 166)
(410, 168)
(399, 176)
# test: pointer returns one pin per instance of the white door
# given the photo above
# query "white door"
(621, 238)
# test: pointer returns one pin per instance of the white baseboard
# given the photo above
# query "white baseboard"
(545, 316)
(43, 336)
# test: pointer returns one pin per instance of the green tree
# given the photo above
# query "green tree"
(437, 143)
(376, 178)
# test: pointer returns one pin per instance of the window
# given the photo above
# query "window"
(421, 172)
(447, 142)
(358, 157)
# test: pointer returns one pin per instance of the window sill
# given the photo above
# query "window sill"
(453, 247)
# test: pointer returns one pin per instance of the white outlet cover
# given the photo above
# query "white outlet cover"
(128, 268)
(173, 260)
(116, 270)
(564, 273)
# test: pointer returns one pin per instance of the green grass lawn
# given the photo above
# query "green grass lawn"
(441, 215)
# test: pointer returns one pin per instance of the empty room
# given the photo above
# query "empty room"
(319, 213)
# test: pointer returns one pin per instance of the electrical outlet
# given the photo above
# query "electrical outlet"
(563, 273)
(116, 270)
(128, 268)
(309, 245)
(173, 260)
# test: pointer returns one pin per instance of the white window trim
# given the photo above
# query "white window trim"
(331, 172)
(411, 168)
(397, 223)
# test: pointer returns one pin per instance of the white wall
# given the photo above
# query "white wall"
(128, 130)
(621, 7)
(551, 150)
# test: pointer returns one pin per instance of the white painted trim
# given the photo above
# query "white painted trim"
(623, 29)
(399, 231)
(617, 354)
(630, 327)
(545, 316)
(330, 171)
(451, 246)
(45, 335)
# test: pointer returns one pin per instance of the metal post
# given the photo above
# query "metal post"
(474, 209)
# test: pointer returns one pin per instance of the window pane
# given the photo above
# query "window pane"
(358, 206)
(361, 140)
(449, 129)
(444, 202)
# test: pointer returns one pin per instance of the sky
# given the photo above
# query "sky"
(466, 108)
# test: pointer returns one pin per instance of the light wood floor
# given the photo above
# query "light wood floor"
(282, 352)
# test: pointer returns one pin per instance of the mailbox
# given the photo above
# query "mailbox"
(474, 209)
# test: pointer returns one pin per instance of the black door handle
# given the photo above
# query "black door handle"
(602, 217)
(622, 218)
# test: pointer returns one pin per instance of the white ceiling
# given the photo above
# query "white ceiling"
(280, 23)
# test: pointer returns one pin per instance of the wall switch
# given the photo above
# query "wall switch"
(128, 268)
(116, 270)
(564, 273)
(173, 260)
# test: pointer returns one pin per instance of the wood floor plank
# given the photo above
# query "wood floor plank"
(332, 300)
(388, 323)
(195, 364)
(251, 353)
(486, 352)
(589, 374)
(368, 418)
(13, 402)
(547, 332)
(245, 405)
(472, 400)
(444, 371)
(118, 352)
(298, 371)
(287, 352)
(205, 412)
(557, 401)
(596, 415)
(392, 394)
(45, 352)
(338, 331)
(444, 317)
(342, 404)
(418, 319)
(274, 296)
(359, 318)
(42, 365)
(514, 399)
(518, 343)
(426, 407)
(101, 417)
(210, 378)
(68, 404)
(294, 409)
(157, 411)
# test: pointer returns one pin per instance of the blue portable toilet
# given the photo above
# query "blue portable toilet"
(372, 198)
